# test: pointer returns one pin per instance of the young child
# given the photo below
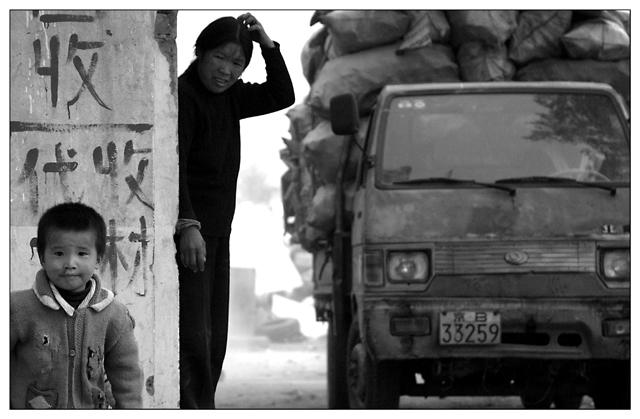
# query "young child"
(67, 331)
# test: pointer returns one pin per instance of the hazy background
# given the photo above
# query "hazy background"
(257, 238)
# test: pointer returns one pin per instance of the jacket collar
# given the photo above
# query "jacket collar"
(99, 298)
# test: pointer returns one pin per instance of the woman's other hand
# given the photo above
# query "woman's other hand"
(193, 250)
(256, 29)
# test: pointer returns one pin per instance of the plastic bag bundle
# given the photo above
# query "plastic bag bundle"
(317, 16)
(538, 35)
(302, 120)
(357, 30)
(366, 72)
(323, 212)
(312, 239)
(427, 27)
(323, 150)
(491, 27)
(304, 190)
(313, 54)
(479, 62)
(598, 39)
(621, 17)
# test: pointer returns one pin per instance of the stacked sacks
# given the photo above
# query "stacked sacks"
(593, 47)
(314, 157)
(358, 52)
(538, 35)
(376, 56)
(480, 38)
(361, 51)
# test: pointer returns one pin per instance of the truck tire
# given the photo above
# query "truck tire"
(337, 369)
(371, 385)
(539, 386)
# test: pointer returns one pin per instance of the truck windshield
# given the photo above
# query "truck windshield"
(497, 137)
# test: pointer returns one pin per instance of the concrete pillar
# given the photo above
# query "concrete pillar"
(94, 119)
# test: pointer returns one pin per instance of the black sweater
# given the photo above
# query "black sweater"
(209, 139)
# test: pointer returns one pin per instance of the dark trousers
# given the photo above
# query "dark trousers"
(204, 322)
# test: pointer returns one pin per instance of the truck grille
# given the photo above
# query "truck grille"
(525, 257)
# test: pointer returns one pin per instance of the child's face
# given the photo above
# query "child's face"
(70, 258)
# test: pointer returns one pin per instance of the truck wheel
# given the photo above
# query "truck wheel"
(337, 369)
(539, 388)
(371, 385)
(613, 387)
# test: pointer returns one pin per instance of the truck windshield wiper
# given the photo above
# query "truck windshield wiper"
(551, 179)
(428, 180)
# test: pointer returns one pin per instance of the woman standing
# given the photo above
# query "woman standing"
(212, 101)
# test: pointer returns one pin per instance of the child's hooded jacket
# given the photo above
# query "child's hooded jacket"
(59, 355)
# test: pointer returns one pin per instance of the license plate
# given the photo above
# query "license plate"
(469, 328)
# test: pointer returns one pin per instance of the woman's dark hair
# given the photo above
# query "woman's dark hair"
(72, 216)
(224, 30)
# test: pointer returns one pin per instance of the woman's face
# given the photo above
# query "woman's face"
(221, 67)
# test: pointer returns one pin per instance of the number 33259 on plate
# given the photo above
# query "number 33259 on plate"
(470, 328)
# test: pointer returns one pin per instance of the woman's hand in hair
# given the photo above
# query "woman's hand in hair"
(256, 30)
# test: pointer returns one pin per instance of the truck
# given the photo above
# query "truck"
(484, 249)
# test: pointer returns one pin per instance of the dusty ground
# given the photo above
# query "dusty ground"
(259, 374)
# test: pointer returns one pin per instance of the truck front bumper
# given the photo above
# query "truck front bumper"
(408, 329)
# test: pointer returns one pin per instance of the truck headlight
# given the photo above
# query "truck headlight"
(615, 267)
(408, 266)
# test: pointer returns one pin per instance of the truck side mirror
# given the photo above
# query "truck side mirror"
(344, 115)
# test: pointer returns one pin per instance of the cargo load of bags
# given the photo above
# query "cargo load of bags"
(361, 51)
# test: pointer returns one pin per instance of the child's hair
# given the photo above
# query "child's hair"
(224, 30)
(72, 216)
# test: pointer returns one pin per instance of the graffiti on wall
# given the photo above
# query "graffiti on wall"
(74, 45)
(102, 158)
